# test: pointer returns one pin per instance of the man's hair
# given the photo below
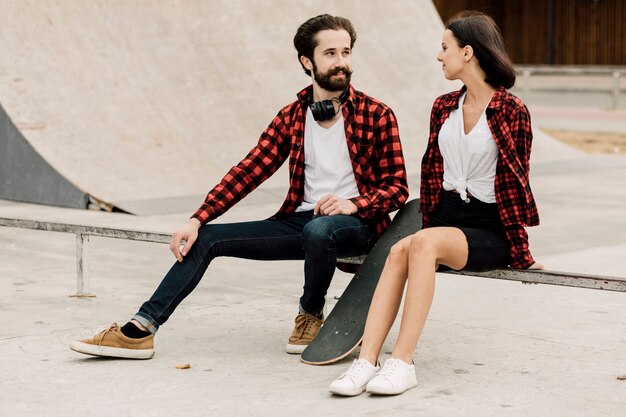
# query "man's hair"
(305, 40)
(483, 35)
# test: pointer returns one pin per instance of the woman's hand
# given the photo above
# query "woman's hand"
(536, 265)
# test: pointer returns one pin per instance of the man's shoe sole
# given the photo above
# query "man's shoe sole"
(295, 349)
(111, 352)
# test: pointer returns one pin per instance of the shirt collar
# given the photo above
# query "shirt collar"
(497, 99)
(452, 100)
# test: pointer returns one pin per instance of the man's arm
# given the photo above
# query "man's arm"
(391, 189)
(260, 163)
(188, 233)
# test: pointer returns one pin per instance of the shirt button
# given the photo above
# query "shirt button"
(297, 144)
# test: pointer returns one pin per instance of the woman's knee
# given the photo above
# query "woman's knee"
(423, 246)
(399, 250)
(443, 245)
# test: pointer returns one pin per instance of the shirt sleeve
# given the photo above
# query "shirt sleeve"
(522, 133)
(425, 220)
(520, 253)
(261, 162)
(391, 189)
(518, 237)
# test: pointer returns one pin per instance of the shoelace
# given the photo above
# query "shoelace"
(355, 369)
(111, 328)
(304, 323)
(389, 368)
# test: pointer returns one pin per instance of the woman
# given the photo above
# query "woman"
(475, 200)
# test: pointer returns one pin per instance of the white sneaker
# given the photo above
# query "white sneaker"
(395, 377)
(353, 381)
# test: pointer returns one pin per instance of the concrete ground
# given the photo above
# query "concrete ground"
(490, 348)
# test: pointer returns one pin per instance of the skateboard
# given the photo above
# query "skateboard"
(343, 329)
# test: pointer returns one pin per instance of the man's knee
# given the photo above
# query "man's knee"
(318, 232)
(207, 239)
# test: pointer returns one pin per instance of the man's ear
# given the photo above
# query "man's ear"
(468, 53)
(306, 62)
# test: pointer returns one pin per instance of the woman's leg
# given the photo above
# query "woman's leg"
(386, 300)
(417, 258)
(428, 248)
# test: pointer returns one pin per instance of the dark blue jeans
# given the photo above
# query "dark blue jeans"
(319, 241)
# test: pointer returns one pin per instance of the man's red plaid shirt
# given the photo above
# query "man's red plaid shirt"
(509, 122)
(375, 151)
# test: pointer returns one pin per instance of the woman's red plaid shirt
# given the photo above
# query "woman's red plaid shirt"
(509, 122)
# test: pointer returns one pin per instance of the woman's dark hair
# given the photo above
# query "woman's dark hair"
(305, 41)
(481, 33)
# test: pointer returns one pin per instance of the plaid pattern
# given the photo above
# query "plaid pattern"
(373, 143)
(509, 122)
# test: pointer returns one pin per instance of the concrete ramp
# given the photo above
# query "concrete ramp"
(130, 104)
(26, 176)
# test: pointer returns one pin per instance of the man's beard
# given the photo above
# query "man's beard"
(327, 82)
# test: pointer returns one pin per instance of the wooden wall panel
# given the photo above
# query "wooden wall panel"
(525, 31)
(585, 32)
(590, 33)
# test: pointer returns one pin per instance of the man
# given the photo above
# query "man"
(346, 173)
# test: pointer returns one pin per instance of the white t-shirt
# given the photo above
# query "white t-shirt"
(469, 161)
(327, 165)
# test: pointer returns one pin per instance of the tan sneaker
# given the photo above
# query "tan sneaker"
(111, 342)
(307, 327)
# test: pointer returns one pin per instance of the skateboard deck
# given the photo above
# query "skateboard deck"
(343, 328)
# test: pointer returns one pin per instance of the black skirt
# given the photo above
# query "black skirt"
(480, 222)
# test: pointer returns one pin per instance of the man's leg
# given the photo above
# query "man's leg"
(263, 240)
(259, 240)
(324, 239)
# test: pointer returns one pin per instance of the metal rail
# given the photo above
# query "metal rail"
(83, 281)
(614, 72)
(82, 232)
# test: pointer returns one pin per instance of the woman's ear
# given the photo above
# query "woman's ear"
(468, 53)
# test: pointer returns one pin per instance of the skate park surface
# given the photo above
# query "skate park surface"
(490, 347)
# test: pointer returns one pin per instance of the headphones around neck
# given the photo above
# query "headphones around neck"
(325, 109)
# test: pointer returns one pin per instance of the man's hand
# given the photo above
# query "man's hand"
(331, 205)
(188, 234)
